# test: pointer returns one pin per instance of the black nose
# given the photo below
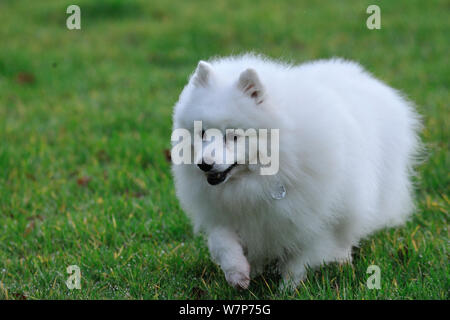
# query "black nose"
(204, 166)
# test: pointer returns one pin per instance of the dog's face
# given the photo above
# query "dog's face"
(222, 116)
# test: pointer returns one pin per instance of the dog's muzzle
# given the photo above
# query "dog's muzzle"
(215, 178)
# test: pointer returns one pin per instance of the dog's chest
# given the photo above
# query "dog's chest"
(266, 236)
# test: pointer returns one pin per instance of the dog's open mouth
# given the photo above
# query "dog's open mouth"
(214, 178)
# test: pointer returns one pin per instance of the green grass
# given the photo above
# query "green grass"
(85, 117)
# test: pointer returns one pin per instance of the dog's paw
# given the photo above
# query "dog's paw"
(238, 279)
(288, 285)
(291, 278)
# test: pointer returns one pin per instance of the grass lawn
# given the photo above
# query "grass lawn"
(85, 121)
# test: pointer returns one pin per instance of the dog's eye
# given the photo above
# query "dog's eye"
(231, 136)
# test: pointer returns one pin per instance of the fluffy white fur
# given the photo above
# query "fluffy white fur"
(347, 148)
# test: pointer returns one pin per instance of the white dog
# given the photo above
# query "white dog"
(347, 146)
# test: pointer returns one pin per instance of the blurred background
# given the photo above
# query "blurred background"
(85, 123)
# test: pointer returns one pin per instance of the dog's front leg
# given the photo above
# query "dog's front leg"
(226, 250)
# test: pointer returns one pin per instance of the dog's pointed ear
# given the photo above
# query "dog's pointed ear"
(202, 75)
(250, 85)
